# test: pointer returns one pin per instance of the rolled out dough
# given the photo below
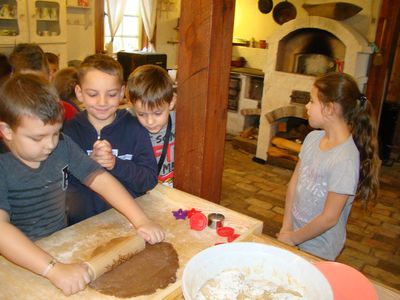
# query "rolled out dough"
(151, 269)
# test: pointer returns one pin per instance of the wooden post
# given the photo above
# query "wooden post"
(386, 37)
(205, 50)
(99, 25)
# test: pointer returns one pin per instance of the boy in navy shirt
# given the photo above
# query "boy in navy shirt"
(110, 136)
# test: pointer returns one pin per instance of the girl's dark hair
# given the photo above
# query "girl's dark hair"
(29, 95)
(52, 58)
(151, 85)
(357, 111)
(65, 81)
(5, 67)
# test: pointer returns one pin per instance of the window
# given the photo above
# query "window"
(128, 36)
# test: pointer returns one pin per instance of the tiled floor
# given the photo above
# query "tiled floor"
(373, 236)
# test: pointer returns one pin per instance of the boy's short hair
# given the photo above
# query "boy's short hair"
(65, 81)
(29, 57)
(103, 63)
(52, 58)
(29, 95)
(151, 85)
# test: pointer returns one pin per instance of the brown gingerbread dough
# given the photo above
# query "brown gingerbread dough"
(151, 269)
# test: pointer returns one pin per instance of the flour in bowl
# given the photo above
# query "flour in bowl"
(240, 285)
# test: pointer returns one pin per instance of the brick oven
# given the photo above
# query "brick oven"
(298, 52)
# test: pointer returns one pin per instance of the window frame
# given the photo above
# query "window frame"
(99, 28)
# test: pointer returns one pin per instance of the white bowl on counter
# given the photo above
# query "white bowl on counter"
(260, 263)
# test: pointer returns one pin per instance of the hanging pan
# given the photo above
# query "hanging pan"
(265, 6)
(284, 12)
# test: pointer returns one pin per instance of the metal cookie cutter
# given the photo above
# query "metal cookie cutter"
(216, 220)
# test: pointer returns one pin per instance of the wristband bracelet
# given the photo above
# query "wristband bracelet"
(50, 266)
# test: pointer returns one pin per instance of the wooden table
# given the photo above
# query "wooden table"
(77, 242)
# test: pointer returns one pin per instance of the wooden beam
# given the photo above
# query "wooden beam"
(205, 50)
(386, 37)
(99, 25)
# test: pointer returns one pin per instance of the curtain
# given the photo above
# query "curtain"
(148, 11)
(115, 12)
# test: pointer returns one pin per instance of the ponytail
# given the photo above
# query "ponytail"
(364, 131)
(358, 113)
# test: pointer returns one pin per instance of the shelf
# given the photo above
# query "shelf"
(78, 7)
(8, 35)
(48, 20)
(8, 18)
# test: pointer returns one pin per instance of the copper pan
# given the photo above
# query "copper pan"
(284, 12)
(265, 6)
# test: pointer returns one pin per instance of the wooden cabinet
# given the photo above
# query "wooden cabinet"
(32, 21)
(47, 21)
(13, 20)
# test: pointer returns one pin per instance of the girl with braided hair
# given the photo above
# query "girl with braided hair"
(337, 163)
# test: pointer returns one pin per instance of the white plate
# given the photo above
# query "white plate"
(263, 261)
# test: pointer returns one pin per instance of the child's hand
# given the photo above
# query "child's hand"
(151, 232)
(286, 237)
(70, 278)
(102, 153)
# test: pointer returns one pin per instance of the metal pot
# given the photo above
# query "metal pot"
(265, 6)
(284, 12)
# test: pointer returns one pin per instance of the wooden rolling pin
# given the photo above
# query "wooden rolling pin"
(114, 254)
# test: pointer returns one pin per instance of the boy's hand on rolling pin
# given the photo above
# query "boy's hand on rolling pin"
(102, 153)
(286, 237)
(70, 278)
(151, 232)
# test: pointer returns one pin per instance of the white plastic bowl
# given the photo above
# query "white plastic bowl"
(266, 262)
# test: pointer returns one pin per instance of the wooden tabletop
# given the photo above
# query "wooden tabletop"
(77, 242)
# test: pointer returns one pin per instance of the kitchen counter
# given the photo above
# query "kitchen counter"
(77, 242)
(248, 71)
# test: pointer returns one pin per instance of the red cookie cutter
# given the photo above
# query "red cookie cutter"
(191, 212)
(198, 221)
(225, 231)
(228, 232)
